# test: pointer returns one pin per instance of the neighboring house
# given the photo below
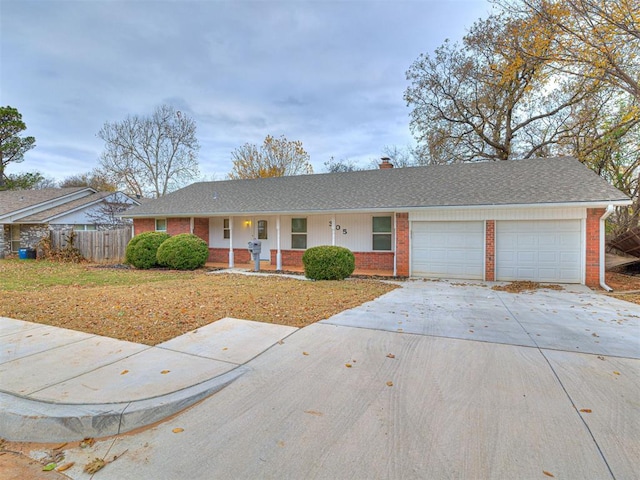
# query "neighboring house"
(26, 216)
(536, 219)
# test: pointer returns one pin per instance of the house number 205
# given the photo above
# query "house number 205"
(344, 230)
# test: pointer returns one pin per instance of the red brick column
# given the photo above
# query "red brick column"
(490, 251)
(592, 264)
(201, 228)
(178, 225)
(141, 225)
(402, 244)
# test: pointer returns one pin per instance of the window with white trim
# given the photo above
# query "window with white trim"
(226, 230)
(262, 229)
(161, 224)
(299, 233)
(381, 227)
(84, 228)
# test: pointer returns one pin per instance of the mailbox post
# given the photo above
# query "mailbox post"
(255, 247)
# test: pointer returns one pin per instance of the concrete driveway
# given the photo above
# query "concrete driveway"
(575, 319)
(433, 380)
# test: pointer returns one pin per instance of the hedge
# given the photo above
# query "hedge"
(183, 252)
(328, 263)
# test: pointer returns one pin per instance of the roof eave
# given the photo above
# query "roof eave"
(35, 206)
(407, 208)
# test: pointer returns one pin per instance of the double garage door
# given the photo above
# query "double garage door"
(543, 251)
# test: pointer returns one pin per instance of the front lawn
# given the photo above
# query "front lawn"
(153, 306)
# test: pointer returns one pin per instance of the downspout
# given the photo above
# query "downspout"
(606, 215)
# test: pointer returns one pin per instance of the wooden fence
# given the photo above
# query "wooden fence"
(97, 246)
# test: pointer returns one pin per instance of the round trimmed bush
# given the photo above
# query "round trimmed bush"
(141, 250)
(183, 252)
(328, 263)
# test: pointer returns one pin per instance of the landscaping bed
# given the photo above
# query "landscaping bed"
(625, 287)
(152, 306)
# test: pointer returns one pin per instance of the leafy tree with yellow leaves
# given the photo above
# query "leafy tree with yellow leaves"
(595, 39)
(276, 157)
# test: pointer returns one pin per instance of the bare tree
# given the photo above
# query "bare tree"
(151, 156)
(341, 166)
(277, 157)
(95, 179)
(107, 215)
(482, 100)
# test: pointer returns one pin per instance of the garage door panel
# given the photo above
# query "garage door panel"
(448, 249)
(526, 257)
(543, 251)
(548, 257)
(570, 258)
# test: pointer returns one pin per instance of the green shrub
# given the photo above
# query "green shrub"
(183, 252)
(141, 250)
(328, 263)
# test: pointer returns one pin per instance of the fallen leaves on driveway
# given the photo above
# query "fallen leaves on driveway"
(522, 286)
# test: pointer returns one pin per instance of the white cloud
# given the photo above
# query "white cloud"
(328, 73)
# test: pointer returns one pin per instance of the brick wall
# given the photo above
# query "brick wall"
(201, 228)
(402, 244)
(290, 258)
(374, 260)
(490, 251)
(176, 226)
(221, 255)
(592, 264)
(364, 260)
(141, 225)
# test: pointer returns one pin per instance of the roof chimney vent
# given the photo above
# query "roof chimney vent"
(386, 163)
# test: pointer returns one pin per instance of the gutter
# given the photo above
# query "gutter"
(606, 215)
(385, 209)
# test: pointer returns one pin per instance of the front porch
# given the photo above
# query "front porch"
(266, 266)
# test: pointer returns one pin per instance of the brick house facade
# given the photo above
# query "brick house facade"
(536, 219)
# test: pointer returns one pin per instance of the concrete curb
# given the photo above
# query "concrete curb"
(26, 420)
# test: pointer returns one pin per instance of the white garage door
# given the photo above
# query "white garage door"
(542, 251)
(447, 249)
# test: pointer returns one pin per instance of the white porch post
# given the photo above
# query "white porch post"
(231, 263)
(333, 230)
(278, 251)
(395, 244)
(191, 225)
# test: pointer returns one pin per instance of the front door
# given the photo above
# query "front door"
(262, 234)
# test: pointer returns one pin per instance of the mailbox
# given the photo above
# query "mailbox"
(255, 247)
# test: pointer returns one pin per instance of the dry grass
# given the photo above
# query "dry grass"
(154, 306)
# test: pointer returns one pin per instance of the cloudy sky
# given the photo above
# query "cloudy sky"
(330, 73)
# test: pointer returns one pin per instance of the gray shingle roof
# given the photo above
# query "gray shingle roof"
(14, 200)
(68, 207)
(517, 182)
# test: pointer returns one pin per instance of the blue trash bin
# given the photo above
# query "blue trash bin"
(23, 253)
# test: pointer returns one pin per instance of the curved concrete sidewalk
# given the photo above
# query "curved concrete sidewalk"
(58, 384)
